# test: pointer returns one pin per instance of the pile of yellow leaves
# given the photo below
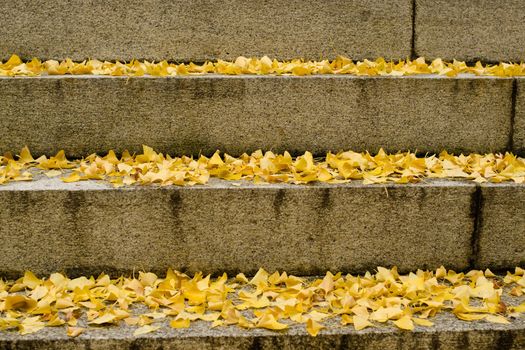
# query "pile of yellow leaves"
(265, 167)
(242, 65)
(272, 301)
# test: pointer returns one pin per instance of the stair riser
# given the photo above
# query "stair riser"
(198, 30)
(470, 30)
(189, 115)
(186, 30)
(89, 227)
(501, 226)
(518, 135)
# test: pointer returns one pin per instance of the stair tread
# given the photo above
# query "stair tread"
(448, 333)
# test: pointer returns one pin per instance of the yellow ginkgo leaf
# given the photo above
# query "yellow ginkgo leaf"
(74, 331)
(105, 318)
(361, 322)
(497, 319)
(268, 321)
(19, 302)
(181, 323)
(470, 317)
(145, 329)
(405, 323)
(313, 327)
(422, 322)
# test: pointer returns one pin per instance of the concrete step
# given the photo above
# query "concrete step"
(447, 333)
(185, 30)
(236, 114)
(470, 30)
(89, 227)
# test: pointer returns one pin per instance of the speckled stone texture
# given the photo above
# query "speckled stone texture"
(519, 119)
(184, 30)
(447, 333)
(470, 30)
(236, 114)
(89, 227)
(502, 226)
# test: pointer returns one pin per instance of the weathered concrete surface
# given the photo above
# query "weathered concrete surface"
(198, 30)
(90, 227)
(470, 30)
(519, 119)
(447, 333)
(183, 115)
(502, 226)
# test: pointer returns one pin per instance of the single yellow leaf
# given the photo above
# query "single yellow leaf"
(53, 173)
(105, 318)
(405, 322)
(181, 323)
(74, 331)
(313, 327)
(497, 319)
(422, 322)
(19, 302)
(73, 177)
(25, 156)
(470, 317)
(361, 322)
(31, 325)
(145, 329)
(268, 321)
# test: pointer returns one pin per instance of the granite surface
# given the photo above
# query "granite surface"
(236, 114)
(447, 333)
(470, 30)
(502, 226)
(188, 30)
(88, 227)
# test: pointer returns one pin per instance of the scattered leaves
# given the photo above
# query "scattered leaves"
(271, 301)
(260, 167)
(263, 66)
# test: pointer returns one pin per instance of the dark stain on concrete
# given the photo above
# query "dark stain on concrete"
(362, 85)
(218, 88)
(504, 340)
(176, 206)
(256, 344)
(73, 204)
(476, 208)
(464, 340)
(326, 201)
(59, 89)
(278, 201)
(434, 342)
(514, 94)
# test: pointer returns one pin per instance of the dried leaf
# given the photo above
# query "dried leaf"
(313, 327)
(74, 331)
(146, 329)
(181, 323)
(405, 322)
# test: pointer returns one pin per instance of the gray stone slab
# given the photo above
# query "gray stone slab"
(198, 30)
(236, 114)
(502, 226)
(89, 227)
(447, 333)
(470, 30)
(519, 118)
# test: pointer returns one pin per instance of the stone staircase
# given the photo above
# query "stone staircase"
(89, 227)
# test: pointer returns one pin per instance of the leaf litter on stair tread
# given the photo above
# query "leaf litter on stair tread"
(14, 66)
(152, 167)
(386, 297)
